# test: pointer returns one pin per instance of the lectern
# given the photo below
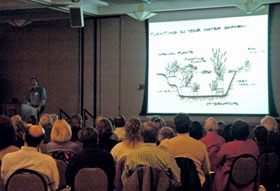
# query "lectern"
(22, 109)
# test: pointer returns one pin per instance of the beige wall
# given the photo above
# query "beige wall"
(50, 51)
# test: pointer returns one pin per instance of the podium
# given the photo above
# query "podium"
(22, 109)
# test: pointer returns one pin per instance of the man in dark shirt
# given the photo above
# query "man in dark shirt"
(91, 157)
(37, 96)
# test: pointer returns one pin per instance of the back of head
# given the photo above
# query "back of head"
(61, 131)
(34, 135)
(182, 123)
(32, 120)
(15, 118)
(7, 133)
(227, 133)
(166, 133)
(54, 117)
(45, 120)
(132, 127)
(149, 132)
(269, 123)
(158, 120)
(196, 130)
(260, 133)
(240, 130)
(119, 121)
(210, 124)
(221, 125)
(104, 127)
(88, 136)
(76, 121)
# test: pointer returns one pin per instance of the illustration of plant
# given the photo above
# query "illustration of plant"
(172, 68)
(213, 85)
(246, 66)
(219, 59)
(187, 77)
(195, 87)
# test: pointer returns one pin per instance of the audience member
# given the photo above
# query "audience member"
(104, 128)
(91, 157)
(76, 123)
(15, 118)
(7, 136)
(54, 118)
(32, 120)
(185, 146)
(260, 136)
(273, 136)
(60, 140)
(213, 141)
(221, 125)
(196, 130)
(119, 121)
(46, 123)
(227, 133)
(131, 140)
(158, 121)
(150, 155)
(231, 150)
(19, 128)
(29, 158)
(165, 133)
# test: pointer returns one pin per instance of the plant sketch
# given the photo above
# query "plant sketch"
(172, 68)
(219, 59)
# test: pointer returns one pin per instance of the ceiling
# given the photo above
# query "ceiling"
(34, 10)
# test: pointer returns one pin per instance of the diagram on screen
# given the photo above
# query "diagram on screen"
(188, 78)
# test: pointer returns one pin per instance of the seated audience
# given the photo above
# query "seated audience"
(7, 136)
(273, 136)
(46, 123)
(227, 133)
(260, 136)
(76, 123)
(104, 128)
(165, 133)
(91, 157)
(231, 150)
(119, 121)
(60, 140)
(158, 121)
(150, 155)
(20, 128)
(28, 157)
(131, 141)
(185, 146)
(196, 130)
(221, 125)
(213, 141)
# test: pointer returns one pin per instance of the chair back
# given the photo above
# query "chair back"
(89, 179)
(147, 178)
(2, 185)
(118, 177)
(243, 172)
(189, 177)
(268, 163)
(26, 179)
(43, 148)
(269, 169)
(61, 166)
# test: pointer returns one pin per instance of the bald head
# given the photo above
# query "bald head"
(34, 135)
(210, 124)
